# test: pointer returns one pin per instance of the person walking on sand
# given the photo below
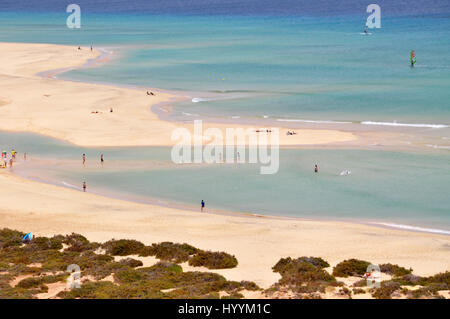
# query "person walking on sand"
(10, 162)
(203, 205)
(316, 169)
(84, 187)
(24, 156)
(84, 158)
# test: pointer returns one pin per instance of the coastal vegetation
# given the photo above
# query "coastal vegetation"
(117, 269)
(26, 270)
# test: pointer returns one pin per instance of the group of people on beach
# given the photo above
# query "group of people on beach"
(102, 160)
(96, 112)
(79, 48)
(10, 159)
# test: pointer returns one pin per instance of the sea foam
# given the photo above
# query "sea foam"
(414, 228)
(404, 124)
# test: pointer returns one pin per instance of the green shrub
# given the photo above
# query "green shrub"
(441, 278)
(44, 243)
(18, 293)
(34, 282)
(285, 264)
(9, 238)
(357, 291)
(79, 243)
(304, 275)
(91, 290)
(409, 280)
(30, 282)
(350, 267)
(430, 291)
(360, 283)
(395, 270)
(169, 251)
(386, 290)
(234, 295)
(123, 247)
(127, 275)
(213, 260)
(130, 262)
(249, 285)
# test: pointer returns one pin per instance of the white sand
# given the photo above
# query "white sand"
(62, 109)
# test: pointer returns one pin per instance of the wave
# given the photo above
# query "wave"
(311, 121)
(404, 124)
(199, 99)
(439, 146)
(188, 114)
(70, 185)
(414, 228)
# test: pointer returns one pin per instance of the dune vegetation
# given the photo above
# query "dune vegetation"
(115, 269)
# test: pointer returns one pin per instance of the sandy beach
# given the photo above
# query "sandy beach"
(63, 109)
(257, 242)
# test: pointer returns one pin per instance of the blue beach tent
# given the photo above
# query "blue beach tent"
(26, 237)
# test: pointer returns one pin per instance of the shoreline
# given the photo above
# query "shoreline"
(153, 201)
(133, 122)
(50, 109)
(104, 55)
(248, 237)
(308, 135)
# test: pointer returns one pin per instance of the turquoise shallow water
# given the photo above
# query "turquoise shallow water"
(312, 68)
(391, 187)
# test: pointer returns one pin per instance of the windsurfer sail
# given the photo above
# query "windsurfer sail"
(413, 58)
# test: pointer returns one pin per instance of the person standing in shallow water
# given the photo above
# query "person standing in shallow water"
(101, 159)
(84, 186)
(203, 205)
(84, 159)
(316, 169)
